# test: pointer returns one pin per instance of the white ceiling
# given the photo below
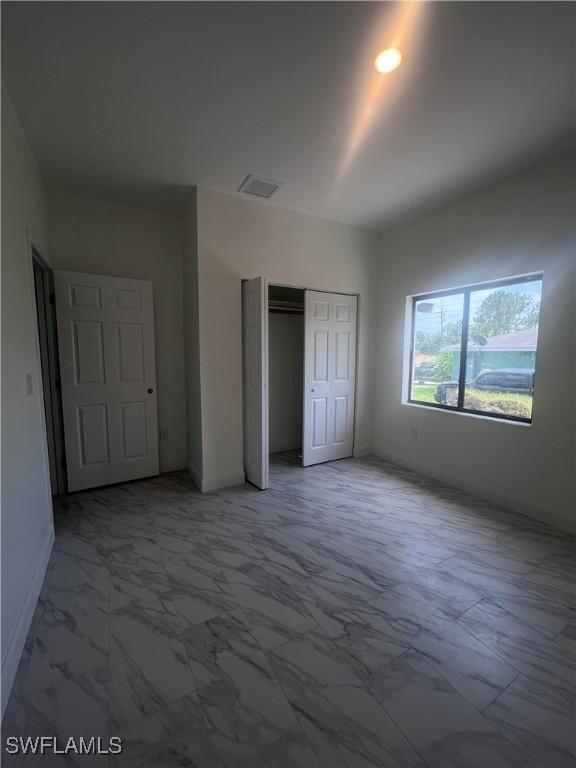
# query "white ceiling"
(142, 100)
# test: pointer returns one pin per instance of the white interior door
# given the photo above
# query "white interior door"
(329, 376)
(108, 375)
(255, 366)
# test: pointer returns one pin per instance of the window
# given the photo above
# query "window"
(473, 349)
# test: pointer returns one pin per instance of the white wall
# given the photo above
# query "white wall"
(523, 224)
(285, 367)
(239, 239)
(27, 525)
(88, 235)
(192, 342)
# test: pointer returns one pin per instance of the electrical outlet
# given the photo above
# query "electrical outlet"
(414, 433)
(163, 434)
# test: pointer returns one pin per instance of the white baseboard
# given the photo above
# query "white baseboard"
(223, 481)
(12, 653)
(536, 512)
(172, 465)
(288, 445)
(207, 484)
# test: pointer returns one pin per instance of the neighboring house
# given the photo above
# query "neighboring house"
(420, 357)
(506, 350)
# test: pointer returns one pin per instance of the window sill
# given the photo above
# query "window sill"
(494, 419)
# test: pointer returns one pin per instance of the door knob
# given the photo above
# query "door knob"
(150, 390)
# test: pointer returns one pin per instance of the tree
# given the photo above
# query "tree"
(504, 312)
(431, 342)
(445, 363)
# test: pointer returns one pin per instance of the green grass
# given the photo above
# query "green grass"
(424, 393)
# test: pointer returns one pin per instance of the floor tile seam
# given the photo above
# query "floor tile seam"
(458, 553)
(347, 579)
(510, 663)
(557, 596)
(383, 705)
(167, 737)
(457, 618)
(531, 571)
(440, 665)
(91, 668)
(495, 601)
(474, 554)
(493, 722)
(550, 569)
(503, 691)
(207, 728)
(203, 706)
(418, 598)
(293, 707)
(156, 534)
(481, 713)
(557, 635)
(368, 686)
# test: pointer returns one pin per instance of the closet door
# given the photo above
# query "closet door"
(255, 365)
(329, 376)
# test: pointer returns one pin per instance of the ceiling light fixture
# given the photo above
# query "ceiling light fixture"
(388, 60)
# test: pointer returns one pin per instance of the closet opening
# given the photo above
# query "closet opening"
(285, 370)
(299, 376)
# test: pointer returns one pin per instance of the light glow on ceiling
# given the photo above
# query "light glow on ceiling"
(388, 60)
(398, 29)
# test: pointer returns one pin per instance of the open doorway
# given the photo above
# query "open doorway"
(50, 367)
(299, 371)
(285, 369)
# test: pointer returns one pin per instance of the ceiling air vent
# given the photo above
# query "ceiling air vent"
(258, 187)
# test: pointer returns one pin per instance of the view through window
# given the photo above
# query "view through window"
(474, 349)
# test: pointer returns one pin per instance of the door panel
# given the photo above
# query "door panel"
(255, 371)
(85, 296)
(342, 313)
(321, 356)
(131, 351)
(320, 425)
(321, 310)
(340, 418)
(134, 430)
(342, 362)
(329, 376)
(108, 378)
(93, 431)
(128, 300)
(88, 352)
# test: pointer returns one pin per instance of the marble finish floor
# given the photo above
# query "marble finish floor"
(355, 615)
